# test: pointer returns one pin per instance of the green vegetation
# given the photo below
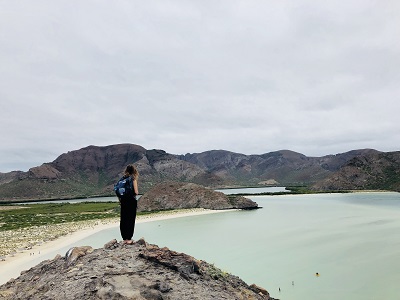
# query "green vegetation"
(44, 214)
(215, 272)
(43, 189)
(29, 215)
(390, 179)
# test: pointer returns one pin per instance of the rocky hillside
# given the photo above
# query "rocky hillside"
(8, 177)
(371, 171)
(282, 167)
(140, 271)
(173, 195)
(93, 170)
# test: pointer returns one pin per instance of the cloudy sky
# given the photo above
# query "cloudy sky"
(251, 76)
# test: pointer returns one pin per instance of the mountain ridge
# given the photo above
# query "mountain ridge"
(376, 171)
(92, 171)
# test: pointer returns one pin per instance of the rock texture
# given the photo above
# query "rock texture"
(139, 271)
(175, 195)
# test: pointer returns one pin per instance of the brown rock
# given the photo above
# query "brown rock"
(241, 202)
(45, 171)
(178, 195)
(259, 290)
(111, 244)
(141, 271)
(74, 253)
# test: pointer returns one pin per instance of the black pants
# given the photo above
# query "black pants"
(128, 218)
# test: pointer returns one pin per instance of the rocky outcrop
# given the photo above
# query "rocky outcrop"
(45, 171)
(241, 202)
(178, 195)
(139, 271)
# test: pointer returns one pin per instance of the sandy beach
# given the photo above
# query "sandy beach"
(23, 249)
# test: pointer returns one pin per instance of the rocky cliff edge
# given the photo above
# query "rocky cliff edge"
(138, 271)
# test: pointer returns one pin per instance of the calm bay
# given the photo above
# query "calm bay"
(351, 240)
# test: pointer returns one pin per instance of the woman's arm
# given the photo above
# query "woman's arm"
(135, 187)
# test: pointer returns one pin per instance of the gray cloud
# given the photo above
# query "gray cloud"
(188, 76)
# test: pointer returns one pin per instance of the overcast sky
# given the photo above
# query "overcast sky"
(316, 77)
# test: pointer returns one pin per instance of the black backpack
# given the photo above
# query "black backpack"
(123, 187)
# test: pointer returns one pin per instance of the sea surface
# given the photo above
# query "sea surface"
(351, 240)
(255, 190)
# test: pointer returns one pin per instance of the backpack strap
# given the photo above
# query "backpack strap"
(130, 181)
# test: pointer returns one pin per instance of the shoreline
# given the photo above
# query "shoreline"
(13, 264)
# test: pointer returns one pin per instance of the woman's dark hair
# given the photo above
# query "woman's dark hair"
(130, 170)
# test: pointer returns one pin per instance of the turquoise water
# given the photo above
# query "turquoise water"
(351, 240)
(256, 190)
(115, 199)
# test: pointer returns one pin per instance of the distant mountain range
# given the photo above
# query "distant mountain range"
(92, 171)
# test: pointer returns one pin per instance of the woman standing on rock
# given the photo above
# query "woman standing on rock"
(129, 204)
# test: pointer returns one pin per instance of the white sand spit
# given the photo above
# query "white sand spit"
(18, 246)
